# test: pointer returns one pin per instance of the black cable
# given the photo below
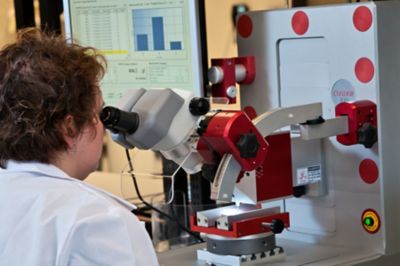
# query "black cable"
(151, 206)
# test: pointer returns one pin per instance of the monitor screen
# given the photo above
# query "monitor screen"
(148, 44)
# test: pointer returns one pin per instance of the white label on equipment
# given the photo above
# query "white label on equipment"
(307, 175)
(342, 91)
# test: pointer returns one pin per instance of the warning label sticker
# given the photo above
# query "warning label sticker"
(307, 175)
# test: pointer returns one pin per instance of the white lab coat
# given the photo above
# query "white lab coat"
(49, 218)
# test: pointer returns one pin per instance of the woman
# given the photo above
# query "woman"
(51, 140)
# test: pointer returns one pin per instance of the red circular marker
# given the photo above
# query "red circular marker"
(244, 26)
(300, 22)
(368, 171)
(362, 18)
(364, 70)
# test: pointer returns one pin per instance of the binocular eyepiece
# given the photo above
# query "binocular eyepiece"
(119, 121)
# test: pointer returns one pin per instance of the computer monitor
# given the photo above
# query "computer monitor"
(148, 44)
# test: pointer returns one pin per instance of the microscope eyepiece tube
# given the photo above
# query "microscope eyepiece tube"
(119, 121)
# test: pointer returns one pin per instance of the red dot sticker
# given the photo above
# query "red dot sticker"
(368, 171)
(364, 70)
(244, 26)
(362, 18)
(300, 22)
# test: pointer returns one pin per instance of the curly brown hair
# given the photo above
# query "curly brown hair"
(44, 78)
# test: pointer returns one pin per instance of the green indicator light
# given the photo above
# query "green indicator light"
(368, 221)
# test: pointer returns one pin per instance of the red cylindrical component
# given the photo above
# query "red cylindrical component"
(222, 135)
(358, 113)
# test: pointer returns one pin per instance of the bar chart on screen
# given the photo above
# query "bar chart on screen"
(158, 29)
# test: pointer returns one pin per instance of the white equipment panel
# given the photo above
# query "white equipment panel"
(332, 54)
